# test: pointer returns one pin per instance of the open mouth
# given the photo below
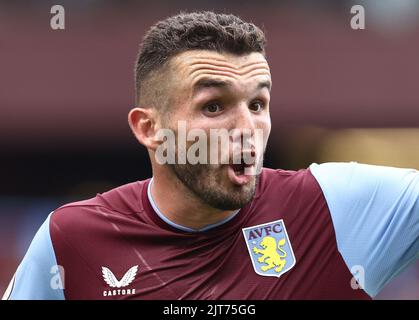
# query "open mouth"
(238, 169)
(240, 174)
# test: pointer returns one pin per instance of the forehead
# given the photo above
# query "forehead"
(190, 67)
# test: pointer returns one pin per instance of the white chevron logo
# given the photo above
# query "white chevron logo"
(111, 280)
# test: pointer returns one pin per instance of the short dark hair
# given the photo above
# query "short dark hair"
(189, 31)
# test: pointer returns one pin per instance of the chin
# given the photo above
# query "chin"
(215, 188)
(230, 197)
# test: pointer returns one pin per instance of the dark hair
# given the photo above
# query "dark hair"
(197, 30)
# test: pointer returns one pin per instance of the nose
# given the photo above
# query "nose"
(243, 119)
(242, 135)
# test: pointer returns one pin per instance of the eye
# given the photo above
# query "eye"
(257, 106)
(212, 108)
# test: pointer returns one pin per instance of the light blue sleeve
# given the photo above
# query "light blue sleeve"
(375, 213)
(38, 276)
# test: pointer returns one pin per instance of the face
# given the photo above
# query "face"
(211, 91)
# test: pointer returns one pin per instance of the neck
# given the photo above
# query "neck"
(179, 205)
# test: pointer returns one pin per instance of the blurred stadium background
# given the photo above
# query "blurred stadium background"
(338, 95)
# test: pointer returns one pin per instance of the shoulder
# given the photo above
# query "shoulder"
(78, 217)
(346, 180)
(342, 172)
(278, 180)
(293, 176)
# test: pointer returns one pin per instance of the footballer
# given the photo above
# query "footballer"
(223, 230)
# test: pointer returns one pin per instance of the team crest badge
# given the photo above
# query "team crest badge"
(269, 248)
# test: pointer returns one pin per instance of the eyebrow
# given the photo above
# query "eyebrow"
(265, 84)
(216, 83)
(210, 83)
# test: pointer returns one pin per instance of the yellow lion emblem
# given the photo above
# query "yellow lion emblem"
(270, 255)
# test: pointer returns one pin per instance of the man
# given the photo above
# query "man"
(222, 230)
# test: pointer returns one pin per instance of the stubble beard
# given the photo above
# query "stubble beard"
(209, 184)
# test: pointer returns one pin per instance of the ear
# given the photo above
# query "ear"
(143, 124)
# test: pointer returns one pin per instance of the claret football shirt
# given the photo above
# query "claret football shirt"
(331, 231)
